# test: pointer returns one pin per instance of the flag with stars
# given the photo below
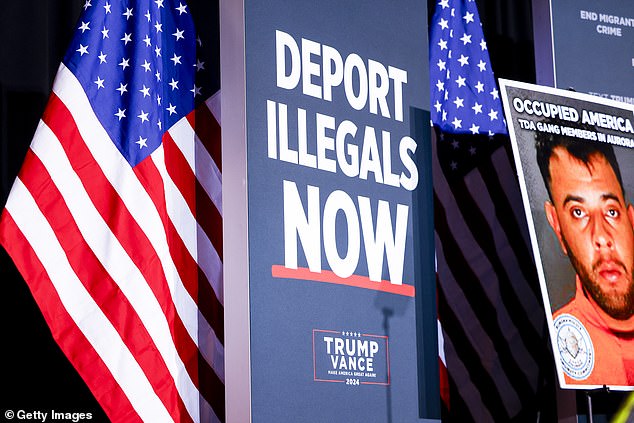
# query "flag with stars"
(488, 296)
(464, 94)
(115, 219)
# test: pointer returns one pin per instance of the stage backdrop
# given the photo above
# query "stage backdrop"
(586, 45)
(337, 266)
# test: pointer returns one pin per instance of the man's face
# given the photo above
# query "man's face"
(594, 227)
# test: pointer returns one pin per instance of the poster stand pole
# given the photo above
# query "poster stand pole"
(589, 400)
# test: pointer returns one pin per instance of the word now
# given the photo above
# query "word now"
(309, 224)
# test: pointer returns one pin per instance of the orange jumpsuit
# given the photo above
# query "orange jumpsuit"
(612, 341)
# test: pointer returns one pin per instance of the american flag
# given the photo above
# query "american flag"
(115, 219)
(464, 95)
(498, 364)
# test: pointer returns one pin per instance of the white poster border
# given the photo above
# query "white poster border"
(510, 114)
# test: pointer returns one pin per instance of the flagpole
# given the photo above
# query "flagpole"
(236, 286)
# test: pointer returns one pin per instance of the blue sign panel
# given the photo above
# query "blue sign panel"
(336, 139)
(593, 47)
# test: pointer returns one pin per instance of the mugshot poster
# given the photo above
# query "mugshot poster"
(334, 176)
(569, 149)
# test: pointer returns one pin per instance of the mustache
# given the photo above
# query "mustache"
(609, 261)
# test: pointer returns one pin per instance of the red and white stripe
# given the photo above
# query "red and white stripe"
(123, 261)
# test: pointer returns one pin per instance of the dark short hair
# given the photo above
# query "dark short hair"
(581, 149)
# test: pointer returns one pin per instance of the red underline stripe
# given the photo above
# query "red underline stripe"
(327, 276)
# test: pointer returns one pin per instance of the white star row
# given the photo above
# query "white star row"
(199, 65)
(457, 123)
(464, 60)
(128, 13)
(146, 65)
(105, 33)
(123, 88)
(143, 116)
(461, 82)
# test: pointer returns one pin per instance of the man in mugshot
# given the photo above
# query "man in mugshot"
(589, 215)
